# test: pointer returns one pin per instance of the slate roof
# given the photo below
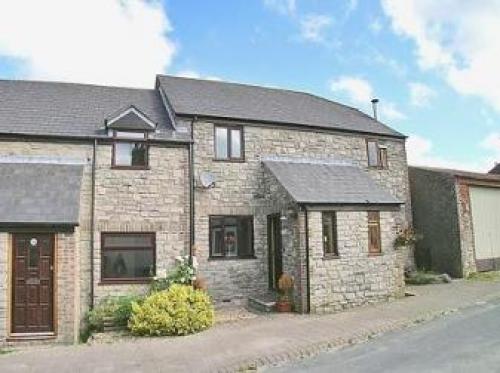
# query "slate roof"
(312, 182)
(67, 109)
(495, 170)
(39, 193)
(245, 102)
(461, 173)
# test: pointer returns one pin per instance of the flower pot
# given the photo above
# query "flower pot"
(283, 306)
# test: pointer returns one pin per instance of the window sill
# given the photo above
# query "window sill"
(375, 254)
(125, 282)
(130, 168)
(331, 257)
(224, 258)
(229, 160)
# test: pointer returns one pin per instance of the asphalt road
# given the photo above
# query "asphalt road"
(466, 341)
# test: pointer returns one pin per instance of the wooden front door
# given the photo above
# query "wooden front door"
(275, 250)
(33, 283)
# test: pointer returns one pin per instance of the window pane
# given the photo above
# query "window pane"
(372, 153)
(235, 144)
(218, 242)
(128, 263)
(221, 143)
(383, 157)
(33, 254)
(128, 240)
(123, 154)
(139, 154)
(130, 154)
(330, 233)
(231, 240)
(374, 243)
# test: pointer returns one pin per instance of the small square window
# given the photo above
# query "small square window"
(231, 236)
(127, 257)
(377, 154)
(228, 143)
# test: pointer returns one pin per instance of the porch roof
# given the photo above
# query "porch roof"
(38, 193)
(316, 182)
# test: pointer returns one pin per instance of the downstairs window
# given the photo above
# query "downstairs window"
(231, 237)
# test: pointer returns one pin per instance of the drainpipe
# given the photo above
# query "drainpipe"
(308, 279)
(92, 226)
(191, 193)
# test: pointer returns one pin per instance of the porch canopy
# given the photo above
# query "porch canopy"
(316, 182)
(39, 194)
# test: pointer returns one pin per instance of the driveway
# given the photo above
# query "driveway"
(265, 340)
(468, 341)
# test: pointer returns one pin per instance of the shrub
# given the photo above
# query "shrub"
(117, 309)
(406, 237)
(180, 310)
(424, 278)
(183, 273)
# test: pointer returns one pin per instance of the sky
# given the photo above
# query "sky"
(434, 65)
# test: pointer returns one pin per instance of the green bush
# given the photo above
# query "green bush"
(117, 309)
(180, 310)
(183, 274)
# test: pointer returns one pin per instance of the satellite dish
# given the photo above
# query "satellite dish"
(207, 179)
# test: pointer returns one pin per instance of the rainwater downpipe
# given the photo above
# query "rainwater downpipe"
(92, 226)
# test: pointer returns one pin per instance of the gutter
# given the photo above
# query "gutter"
(92, 226)
(308, 278)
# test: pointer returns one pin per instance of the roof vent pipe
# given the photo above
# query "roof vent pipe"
(374, 106)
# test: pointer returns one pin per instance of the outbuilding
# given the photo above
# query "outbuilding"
(458, 214)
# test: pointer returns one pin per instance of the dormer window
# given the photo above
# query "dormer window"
(130, 150)
(130, 130)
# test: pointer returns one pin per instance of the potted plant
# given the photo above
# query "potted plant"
(285, 287)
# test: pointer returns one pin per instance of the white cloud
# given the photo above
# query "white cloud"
(420, 152)
(117, 42)
(313, 27)
(375, 25)
(285, 7)
(196, 75)
(456, 38)
(360, 92)
(421, 94)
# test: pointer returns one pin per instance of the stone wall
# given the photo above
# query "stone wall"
(435, 216)
(466, 235)
(240, 189)
(355, 277)
(153, 200)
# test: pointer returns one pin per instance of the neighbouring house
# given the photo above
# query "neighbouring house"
(103, 187)
(495, 170)
(458, 214)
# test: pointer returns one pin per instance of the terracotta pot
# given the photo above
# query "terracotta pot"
(283, 306)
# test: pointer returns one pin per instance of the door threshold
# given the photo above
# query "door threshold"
(31, 336)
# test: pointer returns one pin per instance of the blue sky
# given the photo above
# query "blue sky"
(430, 63)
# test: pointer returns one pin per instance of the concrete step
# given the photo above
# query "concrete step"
(262, 303)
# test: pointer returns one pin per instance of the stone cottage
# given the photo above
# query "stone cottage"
(102, 187)
(458, 214)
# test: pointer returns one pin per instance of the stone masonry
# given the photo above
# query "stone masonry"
(240, 190)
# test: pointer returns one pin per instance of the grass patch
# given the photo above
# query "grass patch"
(4, 351)
(424, 278)
(485, 276)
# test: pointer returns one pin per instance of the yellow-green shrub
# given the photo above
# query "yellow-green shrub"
(180, 310)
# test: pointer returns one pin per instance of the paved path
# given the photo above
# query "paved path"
(261, 341)
(468, 341)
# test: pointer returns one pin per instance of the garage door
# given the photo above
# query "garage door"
(485, 205)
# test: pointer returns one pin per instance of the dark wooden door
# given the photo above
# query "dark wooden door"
(275, 250)
(33, 283)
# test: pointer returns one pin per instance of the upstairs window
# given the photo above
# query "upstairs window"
(130, 150)
(330, 247)
(374, 239)
(231, 237)
(228, 143)
(377, 154)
